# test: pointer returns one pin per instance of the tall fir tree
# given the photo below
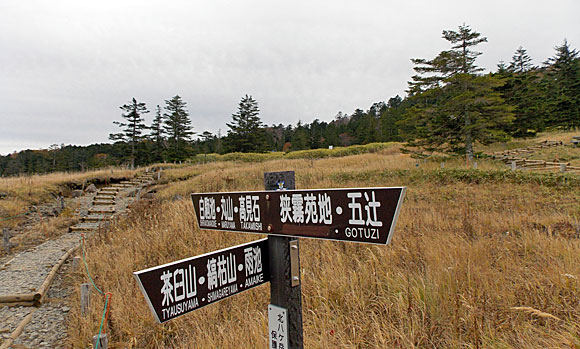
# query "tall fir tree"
(247, 133)
(453, 106)
(563, 87)
(521, 61)
(522, 90)
(133, 128)
(177, 127)
(157, 133)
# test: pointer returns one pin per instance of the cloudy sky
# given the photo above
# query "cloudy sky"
(67, 65)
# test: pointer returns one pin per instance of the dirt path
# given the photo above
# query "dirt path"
(24, 278)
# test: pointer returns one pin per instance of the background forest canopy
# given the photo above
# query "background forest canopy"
(451, 105)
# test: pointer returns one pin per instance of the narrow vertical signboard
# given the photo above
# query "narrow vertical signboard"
(180, 287)
(277, 327)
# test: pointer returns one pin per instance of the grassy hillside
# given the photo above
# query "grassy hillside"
(19, 193)
(480, 258)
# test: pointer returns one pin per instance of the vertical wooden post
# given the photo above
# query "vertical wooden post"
(100, 341)
(6, 240)
(562, 167)
(75, 263)
(85, 298)
(282, 293)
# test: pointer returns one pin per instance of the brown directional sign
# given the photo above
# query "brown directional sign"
(180, 287)
(359, 215)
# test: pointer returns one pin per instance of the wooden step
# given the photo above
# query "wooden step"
(105, 195)
(102, 209)
(97, 218)
(120, 186)
(103, 202)
(109, 190)
(85, 226)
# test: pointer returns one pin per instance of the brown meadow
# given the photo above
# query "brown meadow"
(491, 263)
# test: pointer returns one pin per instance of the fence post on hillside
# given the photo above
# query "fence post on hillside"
(562, 167)
(284, 260)
(6, 244)
(443, 164)
(85, 298)
(514, 166)
(475, 165)
(75, 263)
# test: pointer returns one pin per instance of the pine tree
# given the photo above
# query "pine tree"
(522, 90)
(133, 128)
(389, 118)
(453, 106)
(247, 132)
(521, 62)
(157, 133)
(177, 126)
(563, 85)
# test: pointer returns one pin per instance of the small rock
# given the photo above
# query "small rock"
(65, 309)
(77, 193)
(91, 189)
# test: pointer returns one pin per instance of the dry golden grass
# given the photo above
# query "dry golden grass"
(470, 265)
(562, 136)
(25, 191)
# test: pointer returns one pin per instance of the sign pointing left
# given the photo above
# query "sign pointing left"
(180, 287)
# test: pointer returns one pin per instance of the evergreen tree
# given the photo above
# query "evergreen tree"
(247, 132)
(300, 138)
(389, 118)
(453, 106)
(133, 128)
(521, 62)
(157, 133)
(177, 126)
(563, 87)
(208, 139)
(523, 91)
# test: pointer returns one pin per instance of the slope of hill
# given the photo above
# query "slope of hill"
(484, 257)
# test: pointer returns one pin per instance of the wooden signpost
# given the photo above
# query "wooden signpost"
(357, 215)
(285, 287)
(180, 287)
(363, 215)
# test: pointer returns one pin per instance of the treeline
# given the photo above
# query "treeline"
(451, 105)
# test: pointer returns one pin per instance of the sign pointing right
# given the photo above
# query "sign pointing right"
(365, 215)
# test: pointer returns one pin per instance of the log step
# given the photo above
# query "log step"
(103, 202)
(96, 218)
(85, 226)
(109, 190)
(103, 194)
(101, 209)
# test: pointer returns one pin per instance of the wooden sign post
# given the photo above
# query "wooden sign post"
(177, 288)
(285, 289)
(362, 215)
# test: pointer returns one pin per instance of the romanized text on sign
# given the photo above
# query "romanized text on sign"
(177, 288)
(359, 215)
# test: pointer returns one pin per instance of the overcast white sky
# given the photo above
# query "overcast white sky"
(67, 66)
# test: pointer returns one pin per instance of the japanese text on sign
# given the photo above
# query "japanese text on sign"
(183, 286)
(360, 215)
(277, 327)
